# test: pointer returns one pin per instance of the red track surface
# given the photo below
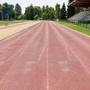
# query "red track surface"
(45, 57)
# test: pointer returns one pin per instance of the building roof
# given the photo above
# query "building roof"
(80, 3)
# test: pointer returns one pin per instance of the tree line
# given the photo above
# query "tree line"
(45, 12)
(10, 12)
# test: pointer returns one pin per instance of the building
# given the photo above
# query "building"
(84, 15)
(80, 3)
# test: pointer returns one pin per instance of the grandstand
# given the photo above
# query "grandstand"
(83, 16)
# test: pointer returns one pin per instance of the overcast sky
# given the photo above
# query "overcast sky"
(25, 3)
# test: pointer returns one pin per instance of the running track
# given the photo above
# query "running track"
(46, 56)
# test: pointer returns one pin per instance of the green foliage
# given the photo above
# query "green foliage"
(8, 12)
(46, 13)
(37, 12)
(11, 22)
(49, 13)
(76, 27)
(29, 12)
(63, 12)
(18, 11)
(57, 11)
(36, 17)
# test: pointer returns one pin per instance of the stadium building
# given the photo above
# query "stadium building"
(83, 16)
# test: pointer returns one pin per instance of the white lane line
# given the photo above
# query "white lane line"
(42, 51)
(75, 54)
(47, 60)
(62, 41)
(22, 35)
(22, 50)
(64, 65)
(78, 39)
(63, 62)
(9, 59)
(66, 69)
(86, 69)
(30, 62)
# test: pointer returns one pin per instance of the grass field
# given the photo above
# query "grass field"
(11, 22)
(75, 27)
(88, 25)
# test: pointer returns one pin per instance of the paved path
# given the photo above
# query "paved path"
(6, 31)
(45, 57)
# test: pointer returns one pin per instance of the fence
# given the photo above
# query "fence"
(84, 23)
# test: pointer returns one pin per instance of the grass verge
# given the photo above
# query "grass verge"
(11, 22)
(75, 27)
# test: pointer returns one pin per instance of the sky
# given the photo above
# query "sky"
(25, 3)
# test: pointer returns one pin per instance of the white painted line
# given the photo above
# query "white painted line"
(17, 38)
(63, 42)
(63, 62)
(86, 69)
(30, 62)
(66, 69)
(42, 51)
(68, 47)
(47, 61)
(22, 50)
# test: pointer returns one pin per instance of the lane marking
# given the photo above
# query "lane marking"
(47, 60)
(80, 61)
(66, 69)
(63, 62)
(80, 40)
(22, 34)
(30, 62)
(59, 35)
(42, 51)
(22, 50)
(64, 65)
(62, 41)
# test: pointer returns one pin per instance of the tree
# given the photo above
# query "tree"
(37, 12)
(18, 11)
(49, 13)
(11, 11)
(0, 11)
(43, 9)
(43, 12)
(4, 11)
(71, 10)
(63, 12)
(57, 11)
(29, 12)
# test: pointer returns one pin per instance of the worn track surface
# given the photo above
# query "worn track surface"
(45, 57)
